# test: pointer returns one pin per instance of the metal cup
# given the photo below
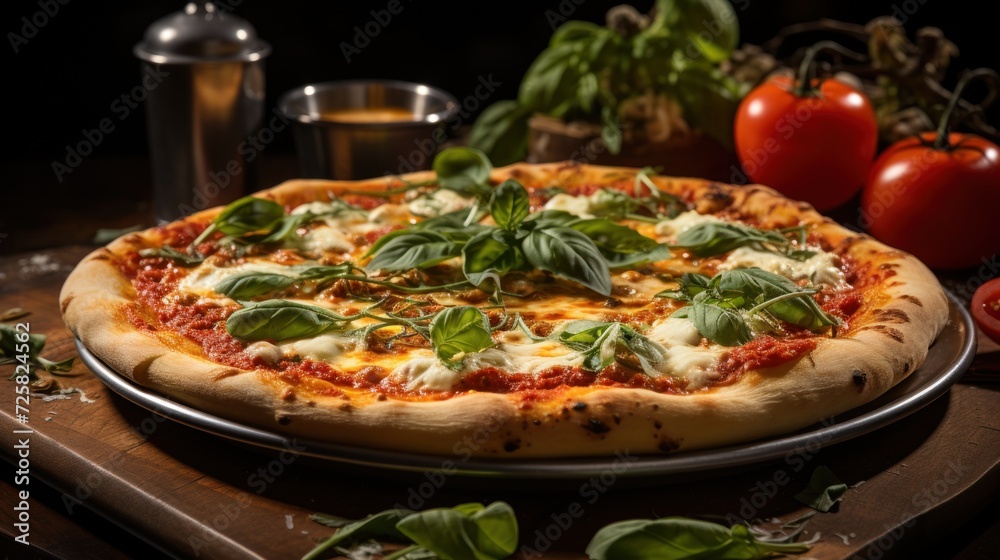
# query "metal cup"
(201, 116)
(331, 147)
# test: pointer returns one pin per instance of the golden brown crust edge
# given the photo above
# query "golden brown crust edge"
(839, 375)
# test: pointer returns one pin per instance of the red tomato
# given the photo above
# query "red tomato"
(816, 148)
(986, 308)
(938, 204)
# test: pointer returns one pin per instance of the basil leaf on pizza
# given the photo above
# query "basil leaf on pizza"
(406, 313)
(458, 331)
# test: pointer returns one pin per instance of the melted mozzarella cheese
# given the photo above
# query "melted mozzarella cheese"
(391, 214)
(685, 357)
(821, 268)
(426, 372)
(323, 348)
(578, 205)
(683, 222)
(439, 202)
(267, 352)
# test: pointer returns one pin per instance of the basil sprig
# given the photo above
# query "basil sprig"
(278, 319)
(581, 250)
(465, 532)
(679, 538)
(727, 308)
(715, 238)
(251, 284)
(247, 222)
(604, 343)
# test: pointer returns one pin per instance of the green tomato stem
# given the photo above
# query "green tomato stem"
(807, 69)
(941, 138)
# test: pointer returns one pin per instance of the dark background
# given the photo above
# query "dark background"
(65, 78)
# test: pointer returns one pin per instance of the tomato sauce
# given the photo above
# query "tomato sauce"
(762, 352)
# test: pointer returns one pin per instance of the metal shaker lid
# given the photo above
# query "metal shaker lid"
(201, 33)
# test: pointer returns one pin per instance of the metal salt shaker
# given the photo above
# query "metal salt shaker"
(208, 101)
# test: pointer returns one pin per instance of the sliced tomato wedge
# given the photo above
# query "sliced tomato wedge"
(986, 308)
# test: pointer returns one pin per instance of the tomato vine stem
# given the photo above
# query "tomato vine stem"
(941, 139)
(807, 68)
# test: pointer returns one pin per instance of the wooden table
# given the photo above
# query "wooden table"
(111, 480)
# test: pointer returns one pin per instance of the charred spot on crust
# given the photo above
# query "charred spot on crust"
(536, 422)
(860, 379)
(714, 199)
(906, 367)
(888, 266)
(890, 332)
(346, 407)
(512, 445)
(668, 445)
(596, 426)
(65, 303)
(912, 299)
(283, 420)
(657, 424)
(617, 419)
(580, 406)
(381, 397)
(891, 315)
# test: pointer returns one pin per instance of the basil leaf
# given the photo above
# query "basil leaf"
(712, 238)
(457, 331)
(463, 170)
(55, 368)
(575, 31)
(691, 284)
(484, 254)
(568, 254)
(501, 132)
(649, 352)
(278, 319)
(679, 538)
(464, 532)
(551, 79)
(549, 218)
(288, 226)
(510, 205)
(252, 284)
(248, 214)
(758, 284)
(825, 490)
(621, 245)
(379, 525)
(451, 220)
(597, 341)
(720, 325)
(183, 259)
(414, 249)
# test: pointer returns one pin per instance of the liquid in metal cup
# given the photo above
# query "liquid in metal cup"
(200, 115)
(359, 129)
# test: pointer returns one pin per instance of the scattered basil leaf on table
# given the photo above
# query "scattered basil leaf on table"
(679, 538)
(464, 532)
(14, 345)
(824, 491)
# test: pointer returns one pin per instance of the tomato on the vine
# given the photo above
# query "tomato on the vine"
(936, 196)
(812, 143)
(986, 308)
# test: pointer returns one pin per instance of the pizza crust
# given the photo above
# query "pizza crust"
(885, 344)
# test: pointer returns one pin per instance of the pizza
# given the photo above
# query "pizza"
(551, 310)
